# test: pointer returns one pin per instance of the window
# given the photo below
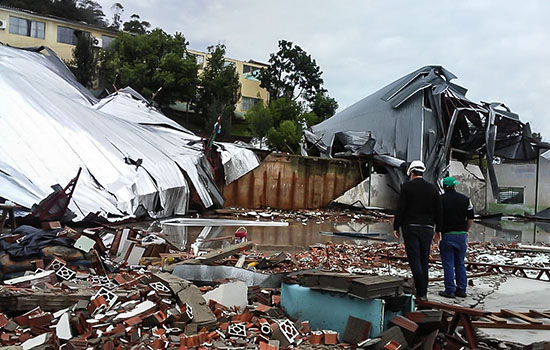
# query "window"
(228, 63)
(248, 102)
(510, 195)
(200, 60)
(250, 72)
(106, 41)
(69, 35)
(26, 27)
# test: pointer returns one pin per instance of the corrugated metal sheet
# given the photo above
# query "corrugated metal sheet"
(132, 156)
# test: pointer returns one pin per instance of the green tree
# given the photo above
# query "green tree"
(118, 10)
(259, 119)
(286, 137)
(84, 63)
(136, 26)
(88, 11)
(292, 73)
(293, 80)
(149, 63)
(92, 12)
(219, 89)
(323, 106)
(281, 122)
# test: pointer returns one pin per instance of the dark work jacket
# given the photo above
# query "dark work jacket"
(420, 204)
(457, 210)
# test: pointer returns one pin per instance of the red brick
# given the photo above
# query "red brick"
(316, 338)
(331, 338)
(133, 321)
(40, 320)
(3, 320)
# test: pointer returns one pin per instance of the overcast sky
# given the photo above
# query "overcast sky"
(499, 50)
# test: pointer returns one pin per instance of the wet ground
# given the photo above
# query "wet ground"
(297, 235)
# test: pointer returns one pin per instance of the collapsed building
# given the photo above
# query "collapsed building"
(425, 116)
(133, 158)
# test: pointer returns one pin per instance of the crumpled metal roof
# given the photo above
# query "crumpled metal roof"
(422, 116)
(132, 156)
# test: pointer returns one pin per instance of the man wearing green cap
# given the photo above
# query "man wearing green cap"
(458, 215)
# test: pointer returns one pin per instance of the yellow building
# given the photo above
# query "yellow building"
(251, 92)
(22, 28)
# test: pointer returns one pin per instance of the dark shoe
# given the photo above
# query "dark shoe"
(446, 295)
(460, 294)
(422, 298)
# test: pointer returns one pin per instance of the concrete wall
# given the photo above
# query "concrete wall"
(372, 192)
(64, 51)
(472, 183)
(522, 175)
(514, 175)
(293, 182)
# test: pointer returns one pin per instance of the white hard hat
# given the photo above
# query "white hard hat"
(416, 165)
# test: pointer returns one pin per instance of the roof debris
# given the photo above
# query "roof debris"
(101, 298)
(134, 160)
(423, 115)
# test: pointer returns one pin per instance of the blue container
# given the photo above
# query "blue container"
(330, 310)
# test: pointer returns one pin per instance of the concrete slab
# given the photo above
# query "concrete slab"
(482, 287)
(189, 294)
(229, 294)
(519, 294)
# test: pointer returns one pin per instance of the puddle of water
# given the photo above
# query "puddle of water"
(507, 231)
(294, 236)
(297, 235)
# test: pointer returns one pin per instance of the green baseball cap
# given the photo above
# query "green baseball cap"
(449, 181)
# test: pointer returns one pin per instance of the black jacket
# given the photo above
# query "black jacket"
(457, 210)
(419, 203)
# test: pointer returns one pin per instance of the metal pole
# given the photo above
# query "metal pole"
(537, 182)
(536, 196)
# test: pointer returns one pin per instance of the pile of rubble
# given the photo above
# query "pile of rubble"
(304, 216)
(111, 288)
(389, 258)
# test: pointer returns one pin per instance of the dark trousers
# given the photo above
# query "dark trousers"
(418, 240)
(453, 250)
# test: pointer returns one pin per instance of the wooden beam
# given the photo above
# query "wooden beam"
(497, 319)
(454, 308)
(48, 300)
(540, 314)
(468, 330)
(481, 324)
(521, 316)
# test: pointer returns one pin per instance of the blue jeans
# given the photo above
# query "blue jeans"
(453, 251)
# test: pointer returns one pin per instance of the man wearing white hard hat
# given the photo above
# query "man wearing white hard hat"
(419, 213)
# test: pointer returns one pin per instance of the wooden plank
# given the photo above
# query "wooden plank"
(25, 299)
(481, 324)
(540, 314)
(454, 308)
(469, 330)
(520, 316)
(497, 319)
